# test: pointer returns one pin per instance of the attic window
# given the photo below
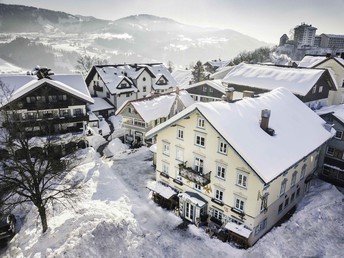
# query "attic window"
(144, 79)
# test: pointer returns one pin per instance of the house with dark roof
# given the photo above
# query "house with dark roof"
(212, 65)
(119, 83)
(333, 161)
(311, 86)
(335, 66)
(47, 105)
(239, 166)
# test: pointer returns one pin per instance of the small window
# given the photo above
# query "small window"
(166, 149)
(223, 147)
(280, 208)
(314, 89)
(292, 197)
(200, 122)
(242, 180)
(221, 172)
(339, 135)
(180, 134)
(127, 95)
(198, 187)
(108, 95)
(330, 151)
(179, 154)
(293, 179)
(239, 204)
(286, 203)
(219, 195)
(283, 186)
(200, 140)
(211, 89)
(144, 88)
(204, 88)
(144, 79)
(303, 172)
(298, 192)
(320, 89)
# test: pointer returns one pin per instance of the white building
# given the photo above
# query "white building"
(304, 35)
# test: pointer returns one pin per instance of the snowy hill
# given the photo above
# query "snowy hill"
(122, 40)
(114, 217)
(6, 67)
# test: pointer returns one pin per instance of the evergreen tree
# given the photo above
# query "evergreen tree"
(198, 72)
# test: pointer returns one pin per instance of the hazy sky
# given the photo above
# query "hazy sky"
(265, 20)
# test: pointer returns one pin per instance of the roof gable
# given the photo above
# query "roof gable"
(298, 130)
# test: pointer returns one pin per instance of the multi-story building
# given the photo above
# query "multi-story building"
(311, 86)
(122, 82)
(283, 40)
(335, 65)
(332, 41)
(304, 35)
(333, 161)
(46, 106)
(242, 165)
(141, 115)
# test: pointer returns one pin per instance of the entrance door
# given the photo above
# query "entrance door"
(189, 211)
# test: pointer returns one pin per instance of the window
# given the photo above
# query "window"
(144, 79)
(314, 89)
(127, 95)
(339, 135)
(53, 98)
(200, 140)
(165, 168)
(77, 112)
(242, 180)
(221, 172)
(180, 134)
(303, 172)
(62, 97)
(283, 186)
(198, 187)
(219, 195)
(286, 203)
(280, 208)
(320, 89)
(292, 197)
(211, 89)
(204, 88)
(108, 94)
(217, 214)
(179, 154)
(293, 179)
(144, 88)
(200, 122)
(261, 226)
(223, 147)
(298, 192)
(264, 203)
(166, 149)
(330, 151)
(199, 164)
(239, 204)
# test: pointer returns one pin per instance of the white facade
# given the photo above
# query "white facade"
(304, 34)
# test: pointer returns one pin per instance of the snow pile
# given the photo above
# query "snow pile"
(114, 147)
(116, 121)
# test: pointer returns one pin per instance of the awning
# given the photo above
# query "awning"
(164, 191)
(238, 229)
(194, 198)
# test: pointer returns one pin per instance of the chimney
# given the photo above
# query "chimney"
(177, 90)
(328, 55)
(264, 124)
(229, 92)
(247, 93)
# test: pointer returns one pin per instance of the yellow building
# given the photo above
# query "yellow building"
(243, 165)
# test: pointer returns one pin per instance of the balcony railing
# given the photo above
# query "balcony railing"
(194, 176)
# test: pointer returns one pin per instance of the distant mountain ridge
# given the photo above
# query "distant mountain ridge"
(136, 38)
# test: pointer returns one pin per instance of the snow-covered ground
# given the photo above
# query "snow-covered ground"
(114, 217)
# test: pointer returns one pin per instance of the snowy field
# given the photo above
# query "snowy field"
(114, 217)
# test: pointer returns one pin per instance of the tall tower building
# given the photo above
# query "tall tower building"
(304, 34)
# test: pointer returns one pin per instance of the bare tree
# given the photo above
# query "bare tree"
(30, 170)
(86, 62)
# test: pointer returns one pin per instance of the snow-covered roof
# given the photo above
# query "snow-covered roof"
(340, 60)
(99, 104)
(157, 106)
(217, 63)
(164, 191)
(221, 72)
(298, 81)
(159, 70)
(311, 61)
(336, 110)
(216, 84)
(193, 197)
(238, 229)
(19, 85)
(182, 77)
(298, 130)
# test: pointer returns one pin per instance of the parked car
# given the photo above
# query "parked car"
(7, 228)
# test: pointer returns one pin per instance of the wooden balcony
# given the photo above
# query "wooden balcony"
(194, 176)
